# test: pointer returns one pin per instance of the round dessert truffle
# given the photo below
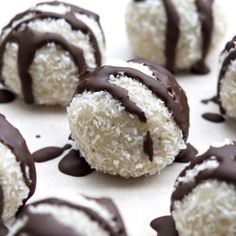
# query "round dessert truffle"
(227, 80)
(176, 34)
(129, 120)
(86, 216)
(44, 50)
(17, 172)
(204, 199)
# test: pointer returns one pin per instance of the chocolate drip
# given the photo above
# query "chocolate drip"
(29, 41)
(74, 164)
(165, 226)
(172, 34)
(6, 96)
(227, 62)
(113, 231)
(213, 117)
(148, 146)
(164, 87)
(214, 99)
(205, 13)
(224, 172)
(187, 154)
(49, 153)
(3, 228)
(12, 138)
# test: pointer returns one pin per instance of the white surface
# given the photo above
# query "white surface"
(143, 199)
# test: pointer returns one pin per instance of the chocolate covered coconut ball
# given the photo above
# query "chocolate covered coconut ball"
(44, 50)
(204, 199)
(227, 80)
(54, 216)
(130, 119)
(176, 34)
(17, 172)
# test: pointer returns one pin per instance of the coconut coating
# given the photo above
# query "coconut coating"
(54, 71)
(227, 80)
(204, 198)
(17, 171)
(164, 29)
(85, 216)
(112, 139)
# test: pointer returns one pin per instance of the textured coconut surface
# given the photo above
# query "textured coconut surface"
(141, 199)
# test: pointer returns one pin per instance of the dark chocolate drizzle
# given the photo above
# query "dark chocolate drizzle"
(6, 96)
(164, 87)
(12, 138)
(165, 226)
(148, 146)
(172, 34)
(39, 220)
(205, 12)
(213, 117)
(225, 172)
(214, 99)
(29, 41)
(74, 164)
(49, 153)
(187, 154)
(226, 63)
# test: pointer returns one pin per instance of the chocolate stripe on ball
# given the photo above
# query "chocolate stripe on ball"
(224, 172)
(11, 137)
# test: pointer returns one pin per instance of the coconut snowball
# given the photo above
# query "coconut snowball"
(204, 198)
(227, 80)
(83, 216)
(112, 139)
(54, 71)
(147, 27)
(17, 172)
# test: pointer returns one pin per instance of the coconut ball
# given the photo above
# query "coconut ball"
(85, 216)
(204, 198)
(17, 172)
(44, 50)
(227, 80)
(177, 34)
(129, 120)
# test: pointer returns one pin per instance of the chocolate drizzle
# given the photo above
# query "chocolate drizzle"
(172, 34)
(226, 63)
(29, 41)
(164, 87)
(148, 146)
(6, 96)
(37, 222)
(225, 172)
(74, 164)
(187, 154)
(49, 153)
(165, 226)
(205, 12)
(12, 138)
(213, 117)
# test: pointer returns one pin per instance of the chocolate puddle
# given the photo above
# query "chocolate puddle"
(6, 96)
(214, 99)
(187, 154)
(164, 226)
(49, 153)
(213, 117)
(74, 164)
